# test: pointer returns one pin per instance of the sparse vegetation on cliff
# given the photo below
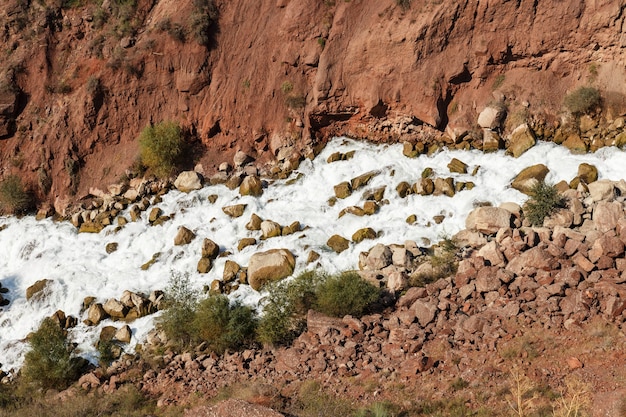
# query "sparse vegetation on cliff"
(161, 147)
(14, 197)
(582, 100)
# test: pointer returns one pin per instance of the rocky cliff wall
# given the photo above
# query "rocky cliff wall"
(82, 79)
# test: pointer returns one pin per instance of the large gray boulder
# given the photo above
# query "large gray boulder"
(269, 266)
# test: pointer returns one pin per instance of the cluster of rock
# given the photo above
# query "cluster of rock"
(558, 275)
(579, 134)
(129, 307)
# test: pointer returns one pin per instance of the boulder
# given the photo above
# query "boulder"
(37, 289)
(606, 215)
(602, 190)
(587, 173)
(115, 308)
(530, 177)
(231, 269)
(155, 213)
(488, 220)
(536, 258)
(236, 210)
(184, 236)
(425, 311)
(210, 249)
(444, 186)
(251, 185)
(379, 257)
(491, 140)
(188, 181)
(123, 335)
(522, 139)
(241, 158)
(269, 266)
(343, 190)
(362, 234)
(254, 223)
(270, 229)
(245, 242)
(96, 314)
(362, 180)
(575, 144)
(491, 117)
(338, 243)
(457, 166)
(204, 265)
(424, 186)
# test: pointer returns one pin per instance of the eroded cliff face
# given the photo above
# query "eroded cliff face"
(275, 78)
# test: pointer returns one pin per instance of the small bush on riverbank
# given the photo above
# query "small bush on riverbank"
(544, 201)
(49, 363)
(284, 315)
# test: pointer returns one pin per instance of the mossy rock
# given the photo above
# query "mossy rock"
(151, 262)
(529, 177)
(457, 166)
(362, 234)
(334, 157)
(235, 210)
(409, 150)
(427, 172)
(343, 190)
(338, 243)
(251, 185)
(412, 219)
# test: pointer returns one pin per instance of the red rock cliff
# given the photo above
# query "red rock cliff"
(81, 80)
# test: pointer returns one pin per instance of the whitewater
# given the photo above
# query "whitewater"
(79, 266)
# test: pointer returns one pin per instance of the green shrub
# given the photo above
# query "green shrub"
(295, 102)
(582, 100)
(284, 314)
(161, 147)
(287, 304)
(444, 262)
(49, 363)
(545, 200)
(405, 4)
(180, 306)
(14, 198)
(345, 294)
(224, 325)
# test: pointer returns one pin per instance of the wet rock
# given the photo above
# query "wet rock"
(235, 210)
(343, 190)
(270, 229)
(123, 335)
(184, 236)
(457, 166)
(204, 265)
(254, 223)
(188, 181)
(338, 243)
(251, 185)
(362, 234)
(37, 290)
(96, 314)
(210, 249)
(522, 139)
(529, 178)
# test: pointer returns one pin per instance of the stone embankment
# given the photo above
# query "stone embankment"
(510, 275)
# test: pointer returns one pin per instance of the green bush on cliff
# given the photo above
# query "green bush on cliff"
(545, 200)
(49, 364)
(161, 147)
